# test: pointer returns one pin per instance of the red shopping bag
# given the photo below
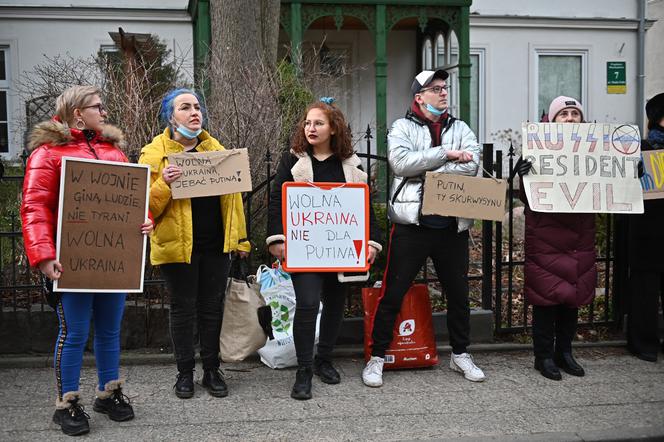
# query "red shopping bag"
(413, 343)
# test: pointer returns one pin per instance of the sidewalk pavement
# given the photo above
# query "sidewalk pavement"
(620, 398)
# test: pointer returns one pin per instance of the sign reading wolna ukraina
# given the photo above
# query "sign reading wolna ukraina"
(326, 226)
(99, 242)
(586, 167)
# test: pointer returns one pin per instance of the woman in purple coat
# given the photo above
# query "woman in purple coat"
(560, 273)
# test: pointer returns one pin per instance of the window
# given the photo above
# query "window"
(427, 52)
(4, 99)
(476, 122)
(443, 49)
(559, 73)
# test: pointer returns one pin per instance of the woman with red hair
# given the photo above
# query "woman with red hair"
(321, 151)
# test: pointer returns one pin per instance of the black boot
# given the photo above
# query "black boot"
(548, 368)
(184, 386)
(566, 361)
(114, 403)
(213, 381)
(302, 387)
(326, 371)
(71, 417)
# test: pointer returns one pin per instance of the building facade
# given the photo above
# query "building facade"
(31, 32)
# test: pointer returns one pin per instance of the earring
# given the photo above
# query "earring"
(80, 124)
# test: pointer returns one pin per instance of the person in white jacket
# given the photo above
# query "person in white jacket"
(427, 139)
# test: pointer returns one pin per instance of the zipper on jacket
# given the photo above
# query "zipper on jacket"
(396, 192)
(92, 149)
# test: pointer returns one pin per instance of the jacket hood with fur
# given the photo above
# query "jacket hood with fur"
(55, 133)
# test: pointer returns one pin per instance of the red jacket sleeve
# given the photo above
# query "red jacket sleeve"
(40, 205)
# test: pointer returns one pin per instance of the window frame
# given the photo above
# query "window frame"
(567, 50)
(5, 86)
(480, 51)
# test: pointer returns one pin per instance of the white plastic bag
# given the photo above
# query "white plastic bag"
(276, 287)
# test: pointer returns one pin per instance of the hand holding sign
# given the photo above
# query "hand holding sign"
(170, 174)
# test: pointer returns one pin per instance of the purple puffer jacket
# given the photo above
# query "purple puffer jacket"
(560, 258)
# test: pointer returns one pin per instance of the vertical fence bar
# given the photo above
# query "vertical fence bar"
(499, 239)
(368, 136)
(14, 291)
(487, 236)
(609, 261)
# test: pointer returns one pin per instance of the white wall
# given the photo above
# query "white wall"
(655, 49)
(615, 9)
(511, 72)
(80, 33)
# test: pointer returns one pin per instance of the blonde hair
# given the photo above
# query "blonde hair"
(73, 98)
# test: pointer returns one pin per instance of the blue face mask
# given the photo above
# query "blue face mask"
(187, 133)
(435, 111)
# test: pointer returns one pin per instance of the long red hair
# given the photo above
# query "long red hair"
(340, 143)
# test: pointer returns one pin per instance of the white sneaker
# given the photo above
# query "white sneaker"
(372, 375)
(463, 363)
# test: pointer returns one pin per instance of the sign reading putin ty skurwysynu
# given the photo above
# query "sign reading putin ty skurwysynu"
(326, 226)
(211, 173)
(468, 197)
(99, 240)
(587, 167)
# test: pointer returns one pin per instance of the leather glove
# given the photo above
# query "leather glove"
(522, 167)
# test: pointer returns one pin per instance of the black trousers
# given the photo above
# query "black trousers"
(197, 304)
(410, 245)
(310, 290)
(553, 329)
(642, 323)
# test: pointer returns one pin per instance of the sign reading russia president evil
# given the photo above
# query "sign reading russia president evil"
(587, 167)
(326, 226)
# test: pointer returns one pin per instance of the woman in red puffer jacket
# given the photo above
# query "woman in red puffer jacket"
(77, 130)
(560, 272)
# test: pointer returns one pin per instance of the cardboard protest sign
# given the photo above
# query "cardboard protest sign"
(585, 167)
(211, 173)
(653, 178)
(468, 197)
(326, 226)
(99, 241)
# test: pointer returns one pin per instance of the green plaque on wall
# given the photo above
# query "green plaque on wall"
(616, 78)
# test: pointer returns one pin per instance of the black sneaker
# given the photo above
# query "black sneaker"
(116, 406)
(213, 381)
(184, 386)
(73, 420)
(326, 371)
(302, 387)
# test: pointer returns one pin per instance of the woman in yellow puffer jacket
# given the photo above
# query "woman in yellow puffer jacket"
(192, 242)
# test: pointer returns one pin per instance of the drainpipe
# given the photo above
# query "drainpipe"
(640, 78)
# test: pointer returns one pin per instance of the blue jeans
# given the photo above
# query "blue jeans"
(74, 313)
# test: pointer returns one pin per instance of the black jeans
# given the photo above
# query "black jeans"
(410, 245)
(310, 290)
(197, 300)
(643, 310)
(553, 326)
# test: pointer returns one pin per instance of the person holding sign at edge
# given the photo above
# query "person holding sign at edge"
(321, 151)
(78, 129)
(646, 265)
(192, 242)
(427, 139)
(560, 272)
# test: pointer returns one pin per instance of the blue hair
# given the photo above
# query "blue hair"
(167, 105)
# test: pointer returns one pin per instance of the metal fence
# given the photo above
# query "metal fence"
(496, 265)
